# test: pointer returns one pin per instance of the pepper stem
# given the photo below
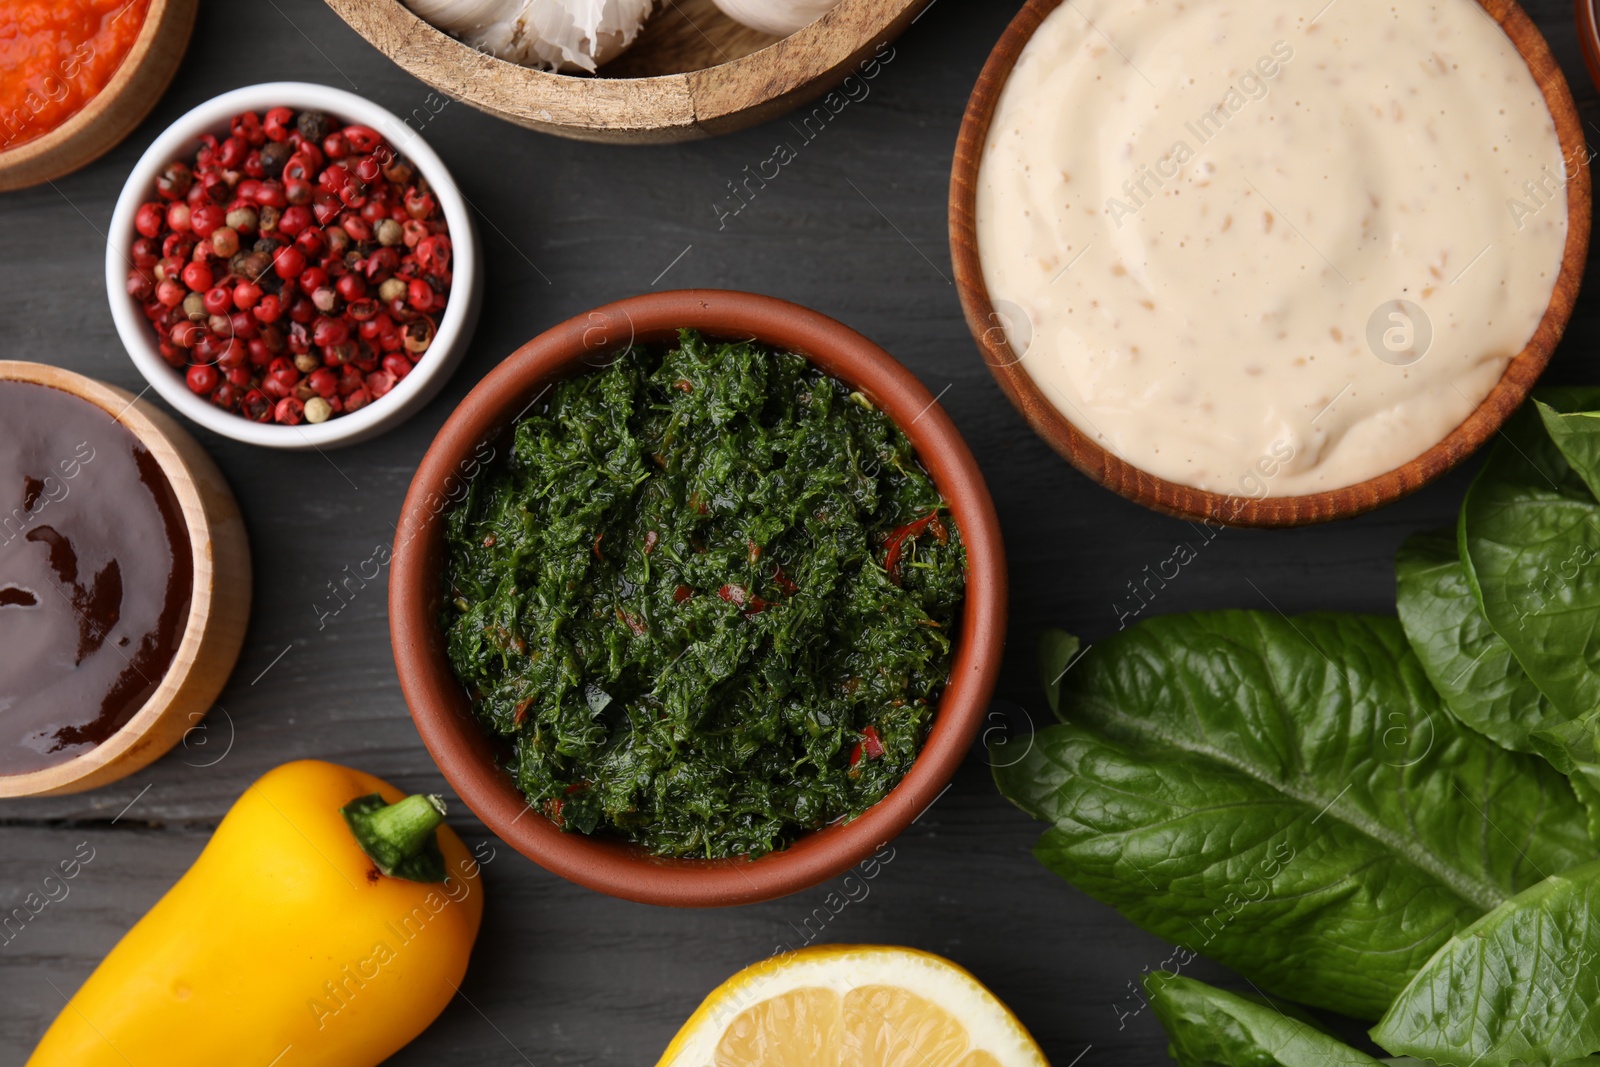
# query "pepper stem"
(401, 839)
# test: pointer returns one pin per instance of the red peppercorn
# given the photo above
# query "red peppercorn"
(328, 331)
(232, 354)
(350, 287)
(202, 379)
(379, 383)
(419, 294)
(270, 194)
(187, 334)
(288, 262)
(294, 219)
(419, 205)
(170, 292)
(277, 123)
(226, 396)
(204, 219)
(240, 376)
(358, 228)
(336, 146)
(311, 242)
(268, 309)
(150, 219)
(247, 127)
(218, 300)
(290, 411)
(141, 286)
(213, 188)
(145, 252)
(325, 382)
(256, 406)
(397, 365)
(174, 181)
(231, 153)
(246, 295)
(197, 276)
(178, 217)
(362, 139)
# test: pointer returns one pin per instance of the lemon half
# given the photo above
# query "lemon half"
(853, 1006)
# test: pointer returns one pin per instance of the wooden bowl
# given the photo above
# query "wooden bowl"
(218, 609)
(1187, 502)
(693, 72)
(112, 114)
(443, 714)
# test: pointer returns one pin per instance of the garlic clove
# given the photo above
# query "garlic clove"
(561, 35)
(780, 17)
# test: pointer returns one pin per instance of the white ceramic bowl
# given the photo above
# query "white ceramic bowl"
(180, 141)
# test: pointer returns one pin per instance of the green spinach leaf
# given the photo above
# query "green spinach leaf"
(1520, 986)
(1530, 539)
(1470, 665)
(1572, 419)
(1288, 796)
(1209, 1027)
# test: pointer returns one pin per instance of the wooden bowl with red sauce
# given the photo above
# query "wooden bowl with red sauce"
(114, 73)
(462, 747)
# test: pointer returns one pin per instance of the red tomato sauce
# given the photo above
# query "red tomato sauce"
(55, 56)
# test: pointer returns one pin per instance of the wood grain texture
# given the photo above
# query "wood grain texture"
(219, 607)
(112, 113)
(692, 73)
(1187, 502)
(855, 226)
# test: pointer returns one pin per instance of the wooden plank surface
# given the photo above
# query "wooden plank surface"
(854, 225)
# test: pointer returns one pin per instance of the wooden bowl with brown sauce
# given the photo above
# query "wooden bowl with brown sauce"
(124, 582)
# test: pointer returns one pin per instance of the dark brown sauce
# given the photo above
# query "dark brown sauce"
(96, 576)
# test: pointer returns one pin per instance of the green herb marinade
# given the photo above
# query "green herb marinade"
(680, 597)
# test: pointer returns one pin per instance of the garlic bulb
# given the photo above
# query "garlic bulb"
(781, 17)
(553, 34)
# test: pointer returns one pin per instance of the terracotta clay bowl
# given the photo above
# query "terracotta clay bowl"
(219, 608)
(1187, 502)
(112, 114)
(693, 72)
(464, 750)
(1589, 37)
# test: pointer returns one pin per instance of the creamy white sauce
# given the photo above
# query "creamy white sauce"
(1190, 212)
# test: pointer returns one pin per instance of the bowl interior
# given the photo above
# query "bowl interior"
(1186, 502)
(180, 141)
(465, 751)
(686, 35)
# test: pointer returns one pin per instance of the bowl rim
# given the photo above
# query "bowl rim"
(661, 108)
(1589, 37)
(181, 139)
(175, 18)
(461, 747)
(206, 598)
(1188, 502)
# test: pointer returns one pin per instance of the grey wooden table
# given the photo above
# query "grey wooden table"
(855, 227)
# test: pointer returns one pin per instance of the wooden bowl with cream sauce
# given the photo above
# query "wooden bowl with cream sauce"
(1248, 500)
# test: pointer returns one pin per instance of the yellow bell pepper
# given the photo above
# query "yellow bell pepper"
(287, 943)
